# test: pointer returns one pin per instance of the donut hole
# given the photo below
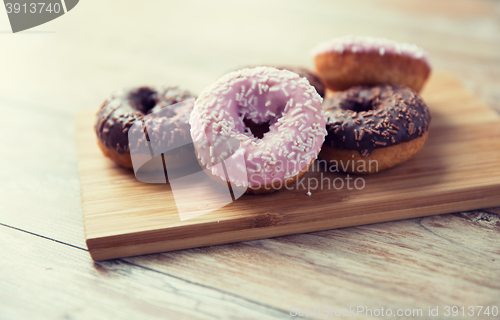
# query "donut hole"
(257, 129)
(363, 100)
(144, 99)
(359, 107)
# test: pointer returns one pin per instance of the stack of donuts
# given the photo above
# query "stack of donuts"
(375, 112)
(372, 112)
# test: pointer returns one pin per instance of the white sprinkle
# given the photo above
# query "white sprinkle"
(284, 90)
(295, 111)
(312, 108)
(308, 193)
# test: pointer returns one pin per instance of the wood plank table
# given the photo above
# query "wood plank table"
(74, 62)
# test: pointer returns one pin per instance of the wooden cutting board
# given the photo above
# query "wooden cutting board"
(458, 169)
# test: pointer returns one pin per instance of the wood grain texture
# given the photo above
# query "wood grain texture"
(39, 160)
(456, 170)
(59, 282)
(416, 263)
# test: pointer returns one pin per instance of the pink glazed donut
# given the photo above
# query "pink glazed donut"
(276, 115)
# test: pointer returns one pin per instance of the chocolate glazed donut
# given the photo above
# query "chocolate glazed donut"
(119, 112)
(374, 127)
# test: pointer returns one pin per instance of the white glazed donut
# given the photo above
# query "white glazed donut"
(354, 60)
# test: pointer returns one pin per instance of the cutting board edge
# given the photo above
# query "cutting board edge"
(466, 194)
(101, 252)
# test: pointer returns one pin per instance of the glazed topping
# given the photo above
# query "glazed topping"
(367, 117)
(359, 44)
(281, 98)
(310, 76)
(313, 79)
(124, 108)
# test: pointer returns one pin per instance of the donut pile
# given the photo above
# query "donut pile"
(279, 120)
(379, 117)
